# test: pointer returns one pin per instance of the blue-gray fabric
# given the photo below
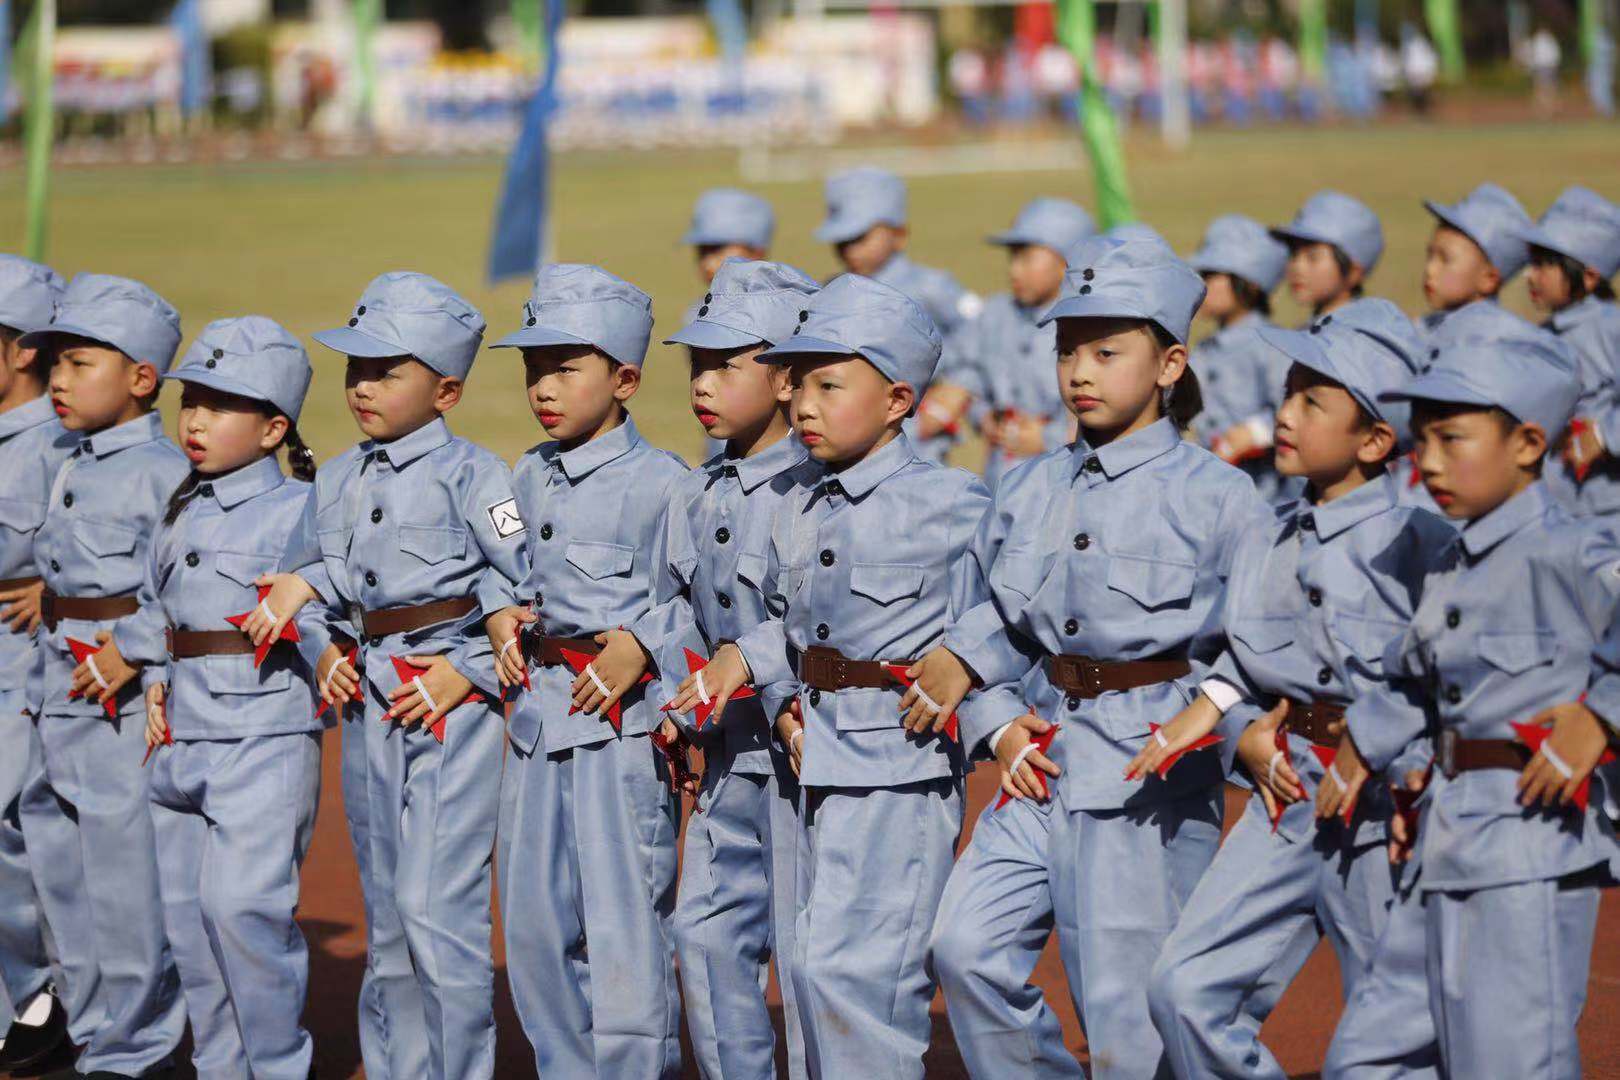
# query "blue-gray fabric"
(578, 304)
(403, 313)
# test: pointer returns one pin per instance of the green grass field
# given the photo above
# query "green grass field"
(298, 241)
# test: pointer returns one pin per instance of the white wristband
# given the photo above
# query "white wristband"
(1271, 766)
(1019, 760)
(1557, 762)
(1333, 773)
(1158, 737)
(511, 643)
(697, 680)
(95, 672)
(433, 706)
(995, 736)
(264, 606)
(597, 679)
(326, 681)
(798, 733)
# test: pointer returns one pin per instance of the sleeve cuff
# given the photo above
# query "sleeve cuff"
(1222, 693)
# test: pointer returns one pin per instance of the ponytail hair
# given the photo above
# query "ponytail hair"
(177, 498)
(300, 459)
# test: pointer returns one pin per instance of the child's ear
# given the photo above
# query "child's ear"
(781, 382)
(902, 235)
(275, 430)
(1377, 445)
(1528, 445)
(447, 395)
(902, 398)
(1590, 279)
(144, 380)
(1171, 366)
(1354, 277)
(626, 381)
(1490, 280)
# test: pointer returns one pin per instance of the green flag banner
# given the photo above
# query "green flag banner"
(1077, 27)
(1446, 29)
(531, 35)
(37, 47)
(1313, 35)
(367, 14)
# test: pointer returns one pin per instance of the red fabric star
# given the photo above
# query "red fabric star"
(1533, 735)
(288, 632)
(81, 653)
(1169, 762)
(675, 756)
(352, 655)
(701, 714)
(578, 661)
(1042, 744)
(407, 672)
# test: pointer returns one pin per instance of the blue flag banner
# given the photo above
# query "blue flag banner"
(518, 241)
(195, 66)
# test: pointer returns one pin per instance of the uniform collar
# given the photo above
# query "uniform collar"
(143, 429)
(896, 267)
(1122, 455)
(586, 458)
(1582, 311)
(784, 454)
(1526, 508)
(30, 414)
(412, 445)
(872, 470)
(1248, 321)
(240, 485)
(1330, 519)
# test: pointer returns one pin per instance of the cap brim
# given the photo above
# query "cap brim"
(536, 336)
(1300, 236)
(1014, 238)
(1440, 386)
(803, 345)
(1093, 306)
(351, 342)
(1536, 236)
(37, 339)
(1447, 215)
(1301, 347)
(708, 335)
(842, 230)
(215, 381)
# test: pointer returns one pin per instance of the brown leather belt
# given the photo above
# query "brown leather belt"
(828, 669)
(402, 620)
(189, 644)
(1084, 677)
(1317, 720)
(1454, 754)
(18, 582)
(54, 608)
(547, 651)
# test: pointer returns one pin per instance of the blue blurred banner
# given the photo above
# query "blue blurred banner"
(195, 66)
(516, 248)
(730, 28)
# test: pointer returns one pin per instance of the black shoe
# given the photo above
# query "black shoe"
(27, 1046)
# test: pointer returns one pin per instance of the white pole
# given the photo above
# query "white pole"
(1175, 124)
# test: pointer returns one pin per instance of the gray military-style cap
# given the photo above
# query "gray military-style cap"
(1130, 279)
(1241, 246)
(748, 303)
(252, 357)
(856, 316)
(1331, 217)
(1492, 218)
(403, 313)
(29, 292)
(579, 304)
(115, 311)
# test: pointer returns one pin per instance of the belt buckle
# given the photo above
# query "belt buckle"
(1091, 677)
(1445, 747)
(813, 669)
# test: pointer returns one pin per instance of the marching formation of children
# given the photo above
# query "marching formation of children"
(1368, 569)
